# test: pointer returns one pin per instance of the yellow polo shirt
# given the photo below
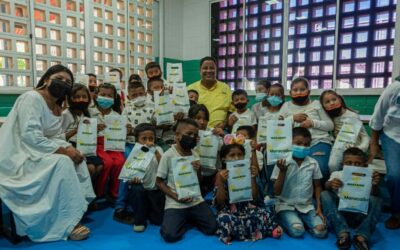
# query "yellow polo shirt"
(217, 99)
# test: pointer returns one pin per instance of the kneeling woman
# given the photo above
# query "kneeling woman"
(243, 220)
(43, 179)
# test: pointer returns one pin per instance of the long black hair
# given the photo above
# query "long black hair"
(75, 89)
(51, 71)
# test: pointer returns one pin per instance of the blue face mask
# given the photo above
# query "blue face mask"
(300, 152)
(104, 102)
(260, 96)
(274, 100)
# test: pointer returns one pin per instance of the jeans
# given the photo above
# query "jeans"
(321, 152)
(292, 223)
(342, 221)
(391, 152)
(128, 149)
(122, 199)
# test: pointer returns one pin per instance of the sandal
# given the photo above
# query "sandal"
(343, 241)
(360, 244)
(80, 232)
(277, 232)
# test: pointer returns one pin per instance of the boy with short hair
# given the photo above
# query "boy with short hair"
(342, 221)
(147, 201)
(138, 110)
(179, 211)
(242, 114)
(296, 181)
(193, 95)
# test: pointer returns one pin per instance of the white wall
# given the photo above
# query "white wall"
(173, 29)
(186, 29)
(196, 29)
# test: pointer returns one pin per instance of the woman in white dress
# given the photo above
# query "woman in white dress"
(43, 179)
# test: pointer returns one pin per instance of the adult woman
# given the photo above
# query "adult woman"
(215, 95)
(43, 180)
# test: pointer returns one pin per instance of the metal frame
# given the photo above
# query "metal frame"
(364, 91)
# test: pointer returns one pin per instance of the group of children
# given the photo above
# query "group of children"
(304, 187)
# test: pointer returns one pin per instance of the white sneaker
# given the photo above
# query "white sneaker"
(139, 228)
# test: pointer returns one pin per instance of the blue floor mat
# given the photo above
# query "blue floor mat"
(108, 234)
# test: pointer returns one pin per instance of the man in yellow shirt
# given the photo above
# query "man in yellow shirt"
(215, 95)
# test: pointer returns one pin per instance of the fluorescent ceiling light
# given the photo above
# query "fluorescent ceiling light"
(271, 2)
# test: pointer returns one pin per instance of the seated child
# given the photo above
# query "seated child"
(147, 201)
(78, 102)
(336, 108)
(199, 113)
(341, 221)
(243, 220)
(193, 95)
(137, 111)
(178, 212)
(262, 88)
(242, 115)
(164, 131)
(107, 104)
(295, 183)
(250, 135)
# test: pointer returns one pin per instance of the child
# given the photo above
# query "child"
(134, 78)
(262, 88)
(310, 114)
(193, 95)
(113, 162)
(178, 212)
(92, 89)
(250, 135)
(336, 108)
(147, 201)
(153, 70)
(243, 220)
(295, 183)
(242, 115)
(79, 101)
(342, 221)
(164, 131)
(199, 113)
(137, 111)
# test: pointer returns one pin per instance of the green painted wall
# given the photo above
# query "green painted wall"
(6, 103)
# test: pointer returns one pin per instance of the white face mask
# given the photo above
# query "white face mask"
(139, 101)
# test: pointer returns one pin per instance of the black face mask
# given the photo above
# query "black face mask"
(240, 105)
(92, 88)
(59, 89)
(187, 142)
(79, 105)
(300, 99)
(334, 112)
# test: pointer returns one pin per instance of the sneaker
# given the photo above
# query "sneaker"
(139, 228)
(123, 216)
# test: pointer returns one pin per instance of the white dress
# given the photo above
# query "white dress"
(47, 193)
